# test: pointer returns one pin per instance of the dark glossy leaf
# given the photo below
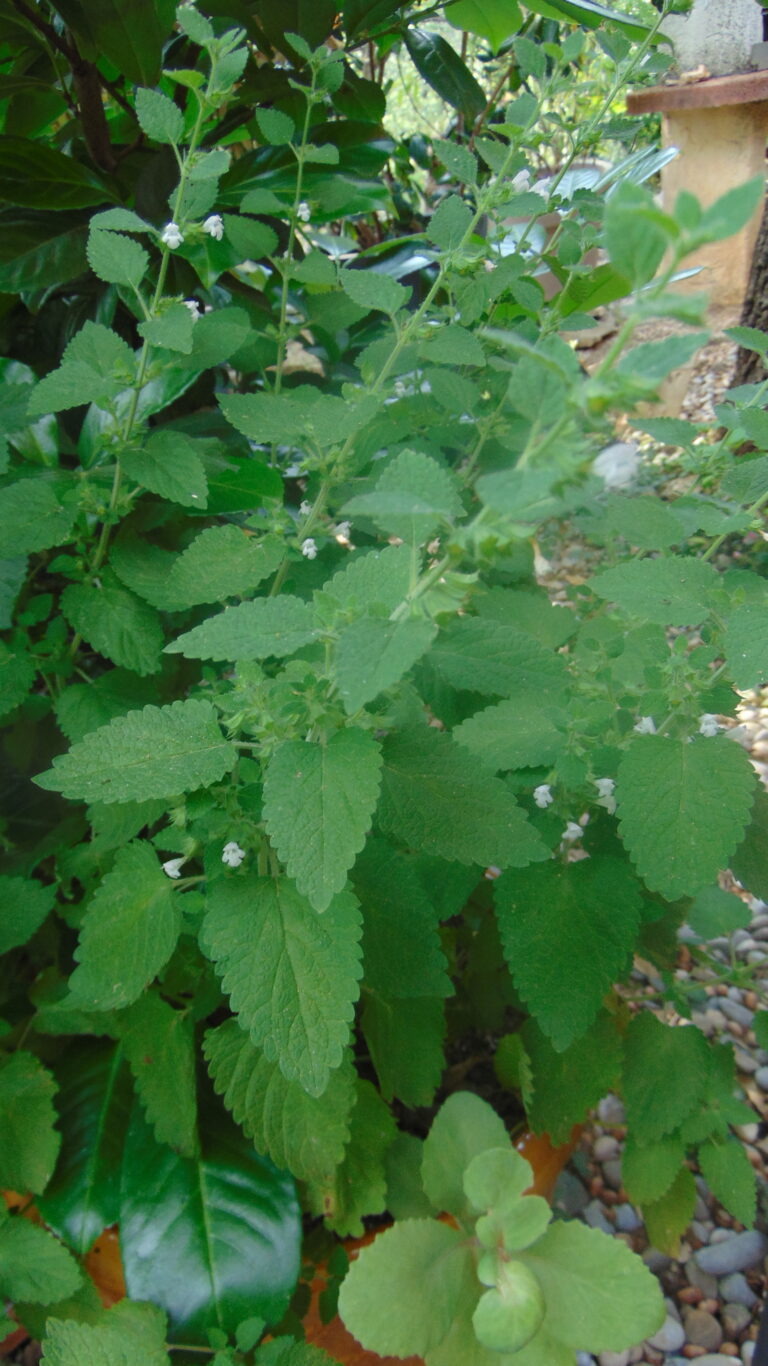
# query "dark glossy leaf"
(129, 33)
(585, 12)
(311, 19)
(363, 16)
(94, 1103)
(212, 1240)
(38, 177)
(38, 250)
(442, 68)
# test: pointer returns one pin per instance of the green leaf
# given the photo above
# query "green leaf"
(33, 1265)
(128, 1334)
(24, 905)
(442, 69)
(588, 13)
(128, 933)
(253, 240)
(567, 1085)
(29, 1143)
(490, 657)
(39, 250)
(374, 653)
(94, 1103)
(438, 799)
(405, 1039)
(451, 344)
(494, 20)
(673, 592)
(517, 734)
(402, 952)
(13, 572)
(715, 912)
(732, 211)
(591, 911)
(116, 259)
(222, 562)
(359, 1186)
(241, 485)
(172, 328)
(217, 336)
(212, 1239)
(318, 803)
(667, 1218)
(115, 623)
(376, 578)
(654, 361)
(683, 809)
(412, 496)
(600, 1296)
(292, 975)
(464, 1126)
(648, 1170)
(665, 1076)
(525, 495)
(371, 289)
(253, 630)
(17, 674)
(84, 707)
(449, 223)
(33, 518)
(635, 235)
(39, 177)
(750, 861)
(643, 521)
(457, 159)
(303, 1134)
(155, 752)
(746, 644)
(731, 1178)
(158, 1043)
(276, 128)
(170, 466)
(419, 1265)
(116, 220)
(159, 117)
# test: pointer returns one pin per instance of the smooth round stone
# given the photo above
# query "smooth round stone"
(612, 1172)
(611, 1110)
(670, 1337)
(700, 1231)
(744, 1061)
(606, 1147)
(757, 956)
(748, 1352)
(627, 1219)
(703, 1330)
(736, 1254)
(656, 1261)
(736, 1012)
(613, 1359)
(701, 1279)
(714, 1359)
(736, 1317)
(735, 1289)
(594, 1214)
(740, 937)
(571, 1195)
(584, 1359)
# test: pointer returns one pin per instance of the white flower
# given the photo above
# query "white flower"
(309, 548)
(709, 725)
(305, 508)
(605, 786)
(193, 307)
(343, 530)
(232, 855)
(572, 831)
(617, 464)
(173, 867)
(646, 726)
(304, 212)
(172, 236)
(542, 795)
(400, 388)
(522, 181)
(214, 226)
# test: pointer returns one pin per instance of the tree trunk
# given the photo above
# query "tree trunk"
(749, 366)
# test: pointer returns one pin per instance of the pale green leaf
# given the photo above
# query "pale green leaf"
(159, 117)
(70, 386)
(33, 518)
(464, 1126)
(303, 1134)
(158, 1042)
(252, 630)
(253, 240)
(117, 220)
(591, 910)
(451, 344)
(665, 1076)
(116, 259)
(649, 1169)
(373, 653)
(171, 328)
(129, 932)
(29, 1143)
(522, 494)
(529, 609)
(155, 752)
(24, 904)
(318, 803)
(746, 644)
(103, 351)
(170, 466)
(516, 734)
(437, 798)
(33, 1264)
(731, 1178)
(413, 495)
(683, 809)
(673, 592)
(371, 289)
(715, 912)
(667, 1218)
(115, 623)
(222, 562)
(129, 1334)
(644, 521)
(275, 127)
(291, 974)
(455, 158)
(449, 223)
(495, 20)
(375, 578)
(17, 674)
(490, 657)
(358, 1187)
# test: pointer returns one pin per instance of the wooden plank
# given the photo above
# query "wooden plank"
(751, 87)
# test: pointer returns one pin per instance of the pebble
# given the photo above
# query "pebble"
(748, 1352)
(703, 1329)
(584, 1359)
(736, 1254)
(594, 1215)
(657, 1261)
(761, 1077)
(611, 1111)
(670, 1337)
(613, 1359)
(737, 1012)
(736, 1317)
(571, 1194)
(735, 1289)
(757, 956)
(606, 1147)
(701, 1231)
(627, 1219)
(744, 1061)
(714, 1359)
(612, 1172)
(700, 1279)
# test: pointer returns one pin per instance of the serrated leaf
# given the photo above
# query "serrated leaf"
(29, 1142)
(750, 861)
(516, 734)
(117, 220)
(644, 521)
(748, 480)
(715, 912)
(591, 910)
(159, 1045)
(371, 289)
(128, 933)
(275, 127)
(253, 240)
(170, 466)
(449, 223)
(159, 117)
(17, 674)
(648, 1170)
(455, 158)
(172, 328)
(373, 653)
(490, 657)
(303, 1134)
(115, 623)
(665, 1076)
(438, 799)
(33, 518)
(84, 707)
(253, 630)
(376, 578)
(567, 1085)
(746, 644)
(116, 259)
(103, 351)
(464, 1126)
(359, 1185)
(292, 975)
(673, 592)
(129, 1334)
(599, 1295)
(667, 1218)
(318, 803)
(413, 495)
(419, 1265)
(731, 1178)
(24, 905)
(683, 808)
(402, 952)
(33, 1265)
(222, 562)
(155, 752)
(405, 1039)
(451, 344)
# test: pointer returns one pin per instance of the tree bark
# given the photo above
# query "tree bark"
(749, 366)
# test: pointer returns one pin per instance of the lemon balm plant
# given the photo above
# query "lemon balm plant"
(310, 784)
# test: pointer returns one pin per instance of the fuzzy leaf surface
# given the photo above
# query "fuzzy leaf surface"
(402, 952)
(683, 809)
(731, 1178)
(746, 649)
(373, 653)
(667, 1218)
(371, 289)
(376, 578)
(221, 562)
(115, 623)
(29, 1142)
(33, 1264)
(160, 118)
(519, 733)
(464, 1127)
(129, 1334)
(675, 591)
(358, 1187)
(253, 630)
(291, 974)
(412, 496)
(648, 1170)
(159, 1045)
(116, 259)
(488, 657)
(24, 905)
(33, 518)
(170, 466)
(155, 752)
(405, 1038)
(665, 1076)
(568, 1084)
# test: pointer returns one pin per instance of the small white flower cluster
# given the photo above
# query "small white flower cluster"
(542, 795)
(304, 212)
(343, 532)
(605, 798)
(214, 226)
(521, 182)
(172, 236)
(309, 548)
(232, 855)
(573, 831)
(709, 725)
(305, 508)
(173, 867)
(645, 726)
(193, 307)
